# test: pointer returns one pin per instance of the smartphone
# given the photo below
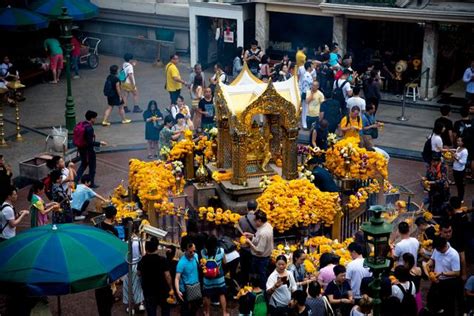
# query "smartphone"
(283, 279)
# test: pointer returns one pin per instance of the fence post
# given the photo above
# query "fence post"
(427, 83)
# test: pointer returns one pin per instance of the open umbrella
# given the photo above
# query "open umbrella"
(15, 19)
(77, 9)
(61, 259)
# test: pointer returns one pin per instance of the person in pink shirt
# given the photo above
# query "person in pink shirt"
(75, 55)
(326, 273)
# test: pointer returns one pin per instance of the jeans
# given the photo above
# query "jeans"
(459, 180)
(259, 267)
(152, 302)
(174, 96)
(88, 159)
(75, 64)
(310, 120)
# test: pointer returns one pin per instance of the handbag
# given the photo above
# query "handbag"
(193, 292)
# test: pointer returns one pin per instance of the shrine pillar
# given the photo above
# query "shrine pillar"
(290, 165)
(223, 142)
(239, 158)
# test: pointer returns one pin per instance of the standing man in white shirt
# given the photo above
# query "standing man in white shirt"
(446, 265)
(356, 270)
(130, 85)
(468, 79)
(305, 83)
(356, 100)
(406, 244)
(8, 219)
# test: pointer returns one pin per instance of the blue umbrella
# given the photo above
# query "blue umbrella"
(77, 9)
(14, 19)
(61, 259)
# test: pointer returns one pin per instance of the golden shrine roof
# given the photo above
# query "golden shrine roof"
(246, 88)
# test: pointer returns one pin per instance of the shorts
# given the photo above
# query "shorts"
(128, 87)
(114, 101)
(56, 62)
(213, 292)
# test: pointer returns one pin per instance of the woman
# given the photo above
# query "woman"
(298, 270)
(280, 285)
(181, 126)
(153, 125)
(167, 135)
(459, 166)
(339, 292)
(137, 292)
(436, 140)
(372, 89)
(38, 209)
(265, 71)
(319, 135)
(68, 173)
(415, 277)
(237, 63)
(437, 178)
(114, 96)
(404, 286)
(284, 73)
(351, 124)
(215, 286)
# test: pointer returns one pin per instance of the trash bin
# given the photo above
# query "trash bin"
(59, 136)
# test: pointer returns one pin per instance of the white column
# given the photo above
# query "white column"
(429, 59)
(193, 42)
(262, 25)
(339, 33)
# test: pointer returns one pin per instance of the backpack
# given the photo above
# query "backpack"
(427, 153)
(408, 304)
(2, 218)
(260, 305)
(338, 94)
(79, 134)
(122, 76)
(48, 187)
(108, 88)
(212, 269)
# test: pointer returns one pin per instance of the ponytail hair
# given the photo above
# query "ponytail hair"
(35, 188)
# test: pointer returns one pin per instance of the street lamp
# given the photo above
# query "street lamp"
(65, 26)
(376, 234)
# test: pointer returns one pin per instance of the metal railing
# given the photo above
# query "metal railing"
(364, 2)
(402, 117)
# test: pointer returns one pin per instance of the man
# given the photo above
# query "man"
(53, 48)
(342, 90)
(187, 275)
(468, 78)
(86, 136)
(300, 57)
(207, 110)
(356, 100)
(174, 82)
(447, 134)
(154, 272)
(406, 244)
(323, 179)
(81, 197)
(5, 177)
(314, 99)
(8, 218)
(305, 83)
(253, 57)
(130, 84)
(104, 296)
(445, 265)
(462, 126)
(331, 111)
(197, 71)
(356, 270)
(369, 127)
(219, 76)
(247, 225)
(261, 245)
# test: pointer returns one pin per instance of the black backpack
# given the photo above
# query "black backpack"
(427, 153)
(108, 88)
(338, 94)
(408, 303)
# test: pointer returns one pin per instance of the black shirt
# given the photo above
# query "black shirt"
(152, 269)
(207, 106)
(462, 125)
(108, 228)
(113, 80)
(323, 180)
(448, 126)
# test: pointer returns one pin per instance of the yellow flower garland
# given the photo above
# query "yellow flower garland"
(218, 216)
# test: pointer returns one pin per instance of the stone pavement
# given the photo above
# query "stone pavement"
(45, 106)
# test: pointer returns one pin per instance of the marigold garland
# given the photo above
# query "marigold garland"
(181, 149)
(218, 216)
(364, 164)
(362, 194)
(219, 176)
(297, 203)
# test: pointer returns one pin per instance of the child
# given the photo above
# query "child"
(82, 196)
(298, 305)
(253, 302)
(38, 209)
(364, 307)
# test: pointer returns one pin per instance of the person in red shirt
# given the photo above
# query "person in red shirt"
(75, 55)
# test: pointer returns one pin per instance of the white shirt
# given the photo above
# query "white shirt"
(410, 245)
(355, 273)
(282, 295)
(345, 90)
(436, 143)
(406, 285)
(355, 101)
(64, 176)
(467, 78)
(446, 262)
(128, 69)
(459, 163)
(9, 214)
(222, 77)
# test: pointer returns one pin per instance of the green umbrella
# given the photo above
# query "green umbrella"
(77, 9)
(14, 19)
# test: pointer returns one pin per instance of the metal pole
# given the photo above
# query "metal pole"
(427, 83)
(375, 286)
(19, 138)
(59, 306)
(130, 262)
(403, 117)
(3, 143)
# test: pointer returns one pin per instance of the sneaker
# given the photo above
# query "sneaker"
(133, 311)
(79, 218)
(105, 123)
(76, 77)
(126, 109)
(136, 109)
(126, 121)
(141, 307)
